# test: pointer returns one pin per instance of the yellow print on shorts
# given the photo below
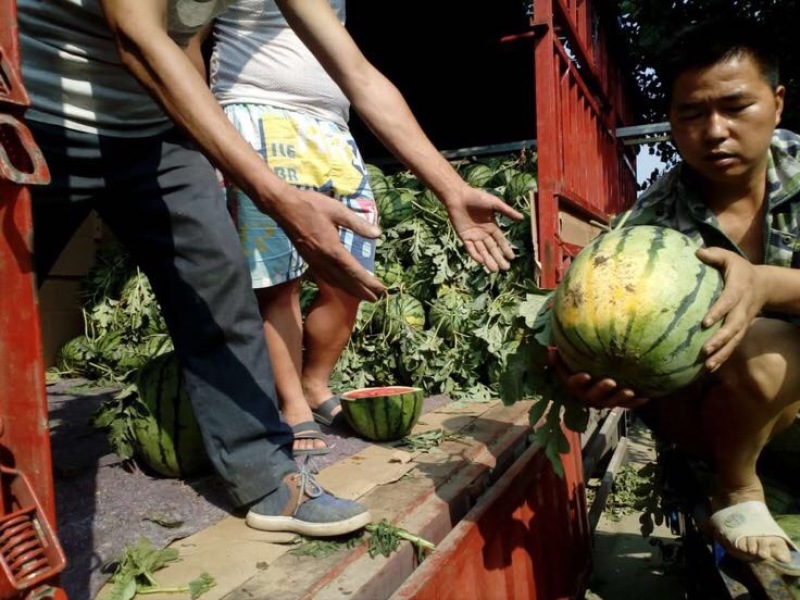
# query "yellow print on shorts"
(305, 154)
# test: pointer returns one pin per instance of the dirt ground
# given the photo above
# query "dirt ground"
(626, 564)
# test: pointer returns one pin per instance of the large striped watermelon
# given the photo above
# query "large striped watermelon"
(478, 175)
(167, 438)
(394, 207)
(377, 180)
(630, 307)
(390, 273)
(382, 413)
(397, 311)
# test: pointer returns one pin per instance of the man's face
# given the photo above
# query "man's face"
(722, 119)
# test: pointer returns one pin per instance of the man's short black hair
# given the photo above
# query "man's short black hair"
(713, 41)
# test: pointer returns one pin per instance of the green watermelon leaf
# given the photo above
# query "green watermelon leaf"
(198, 587)
(525, 374)
(133, 573)
(552, 452)
(385, 538)
(576, 417)
(530, 307)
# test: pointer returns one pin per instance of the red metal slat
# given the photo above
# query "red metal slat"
(527, 538)
(548, 141)
(23, 401)
(580, 160)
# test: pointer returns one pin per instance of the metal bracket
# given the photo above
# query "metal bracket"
(21, 161)
(11, 89)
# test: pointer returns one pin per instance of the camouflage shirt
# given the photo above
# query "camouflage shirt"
(673, 201)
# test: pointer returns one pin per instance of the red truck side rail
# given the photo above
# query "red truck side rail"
(584, 171)
(528, 538)
(30, 555)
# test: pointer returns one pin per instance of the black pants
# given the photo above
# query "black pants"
(161, 198)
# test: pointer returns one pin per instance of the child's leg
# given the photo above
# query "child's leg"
(327, 330)
(280, 311)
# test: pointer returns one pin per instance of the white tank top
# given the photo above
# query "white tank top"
(258, 59)
(74, 76)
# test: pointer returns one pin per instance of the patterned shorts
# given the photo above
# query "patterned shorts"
(311, 154)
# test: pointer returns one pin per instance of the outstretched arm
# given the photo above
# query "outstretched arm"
(382, 107)
(165, 70)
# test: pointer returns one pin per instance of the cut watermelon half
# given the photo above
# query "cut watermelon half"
(383, 413)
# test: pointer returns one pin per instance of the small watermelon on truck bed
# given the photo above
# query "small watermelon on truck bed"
(167, 437)
(630, 307)
(383, 414)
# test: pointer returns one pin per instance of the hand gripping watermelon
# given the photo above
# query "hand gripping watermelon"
(167, 437)
(630, 307)
(382, 413)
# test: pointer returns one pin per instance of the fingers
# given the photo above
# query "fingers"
(492, 251)
(599, 394)
(504, 209)
(724, 304)
(722, 344)
(473, 251)
(344, 217)
(503, 244)
(715, 257)
(487, 248)
(345, 273)
(605, 393)
(737, 317)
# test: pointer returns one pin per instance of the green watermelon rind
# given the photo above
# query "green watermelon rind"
(167, 447)
(386, 417)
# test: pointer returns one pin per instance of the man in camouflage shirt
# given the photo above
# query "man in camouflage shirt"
(675, 201)
(736, 191)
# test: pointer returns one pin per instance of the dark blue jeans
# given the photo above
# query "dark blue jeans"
(161, 198)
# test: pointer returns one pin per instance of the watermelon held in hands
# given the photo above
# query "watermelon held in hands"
(383, 414)
(630, 308)
(166, 436)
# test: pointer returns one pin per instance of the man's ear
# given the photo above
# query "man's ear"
(780, 95)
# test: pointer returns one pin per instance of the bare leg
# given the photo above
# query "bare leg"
(327, 330)
(280, 311)
(757, 395)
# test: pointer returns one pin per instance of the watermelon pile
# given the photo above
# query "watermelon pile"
(447, 326)
(124, 325)
(630, 307)
(383, 414)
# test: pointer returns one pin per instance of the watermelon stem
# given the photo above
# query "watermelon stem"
(385, 538)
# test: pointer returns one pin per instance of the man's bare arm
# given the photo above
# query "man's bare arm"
(166, 71)
(383, 108)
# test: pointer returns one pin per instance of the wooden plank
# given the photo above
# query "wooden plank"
(605, 440)
(429, 501)
(607, 483)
